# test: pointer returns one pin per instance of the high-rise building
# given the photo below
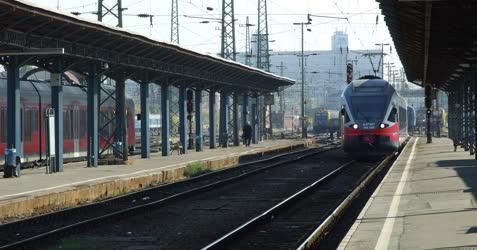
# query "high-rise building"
(339, 41)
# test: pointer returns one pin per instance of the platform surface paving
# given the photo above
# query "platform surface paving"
(426, 201)
(34, 181)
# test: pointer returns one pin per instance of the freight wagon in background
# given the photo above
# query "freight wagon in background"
(326, 121)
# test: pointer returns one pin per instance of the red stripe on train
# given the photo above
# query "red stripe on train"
(392, 132)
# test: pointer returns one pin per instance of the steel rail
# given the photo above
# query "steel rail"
(265, 216)
(65, 229)
(314, 238)
(326, 225)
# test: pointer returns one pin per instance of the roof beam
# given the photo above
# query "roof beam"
(427, 37)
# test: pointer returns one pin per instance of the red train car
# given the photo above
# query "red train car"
(375, 117)
(35, 98)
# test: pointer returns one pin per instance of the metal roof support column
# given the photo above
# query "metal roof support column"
(449, 116)
(270, 120)
(475, 115)
(93, 90)
(198, 120)
(235, 117)
(145, 132)
(254, 121)
(461, 117)
(121, 119)
(466, 115)
(212, 103)
(471, 117)
(223, 128)
(183, 117)
(13, 107)
(245, 112)
(166, 147)
(57, 104)
(452, 114)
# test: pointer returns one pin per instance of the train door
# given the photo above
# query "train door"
(75, 135)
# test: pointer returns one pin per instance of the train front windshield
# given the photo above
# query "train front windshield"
(368, 108)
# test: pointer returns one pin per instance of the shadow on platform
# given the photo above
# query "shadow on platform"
(466, 169)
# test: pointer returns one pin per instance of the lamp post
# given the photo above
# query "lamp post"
(302, 60)
(382, 57)
(302, 24)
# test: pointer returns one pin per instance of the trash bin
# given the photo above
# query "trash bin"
(9, 170)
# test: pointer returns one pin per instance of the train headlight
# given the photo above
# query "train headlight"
(382, 125)
(355, 126)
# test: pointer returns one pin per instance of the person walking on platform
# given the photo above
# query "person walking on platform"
(456, 143)
(247, 134)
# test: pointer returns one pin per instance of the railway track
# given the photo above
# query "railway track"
(26, 233)
(302, 219)
(277, 195)
(194, 220)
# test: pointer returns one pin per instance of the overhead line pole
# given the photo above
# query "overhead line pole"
(302, 24)
(174, 22)
(109, 10)
(227, 51)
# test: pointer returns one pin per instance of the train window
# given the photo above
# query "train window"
(368, 108)
(82, 124)
(72, 122)
(402, 118)
(3, 117)
(112, 124)
(392, 115)
(34, 121)
(127, 119)
(66, 124)
(27, 125)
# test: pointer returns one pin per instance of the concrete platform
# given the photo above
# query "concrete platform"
(36, 192)
(426, 201)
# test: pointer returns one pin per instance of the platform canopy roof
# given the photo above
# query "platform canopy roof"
(435, 39)
(25, 26)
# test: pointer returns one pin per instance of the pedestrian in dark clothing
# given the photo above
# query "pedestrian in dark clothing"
(247, 134)
(456, 143)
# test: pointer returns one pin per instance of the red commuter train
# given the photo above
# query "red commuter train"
(35, 98)
(375, 117)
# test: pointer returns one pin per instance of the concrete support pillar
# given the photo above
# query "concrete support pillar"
(57, 105)
(121, 119)
(183, 117)
(223, 123)
(245, 111)
(235, 117)
(93, 102)
(254, 122)
(13, 108)
(198, 120)
(165, 122)
(145, 131)
(212, 129)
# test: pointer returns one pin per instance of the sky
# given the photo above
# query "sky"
(365, 27)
